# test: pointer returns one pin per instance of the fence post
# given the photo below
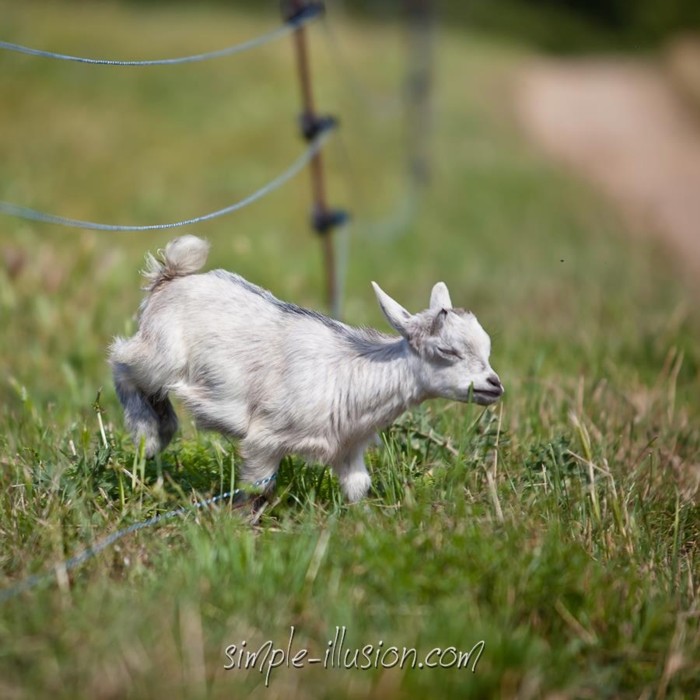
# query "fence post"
(323, 219)
(420, 24)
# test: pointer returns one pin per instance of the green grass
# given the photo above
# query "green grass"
(562, 527)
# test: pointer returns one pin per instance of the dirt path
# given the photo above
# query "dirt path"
(622, 126)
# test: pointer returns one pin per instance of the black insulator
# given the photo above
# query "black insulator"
(312, 124)
(295, 12)
(324, 221)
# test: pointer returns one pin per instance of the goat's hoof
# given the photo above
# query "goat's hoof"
(251, 507)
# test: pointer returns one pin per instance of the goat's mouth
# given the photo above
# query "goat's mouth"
(485, 397)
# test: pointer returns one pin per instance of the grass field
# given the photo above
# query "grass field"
(561, 527)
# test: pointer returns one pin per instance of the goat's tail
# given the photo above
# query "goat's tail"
(182, 256)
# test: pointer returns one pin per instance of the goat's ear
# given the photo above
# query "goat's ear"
(397, 316)
(438, 322)
(440, 297)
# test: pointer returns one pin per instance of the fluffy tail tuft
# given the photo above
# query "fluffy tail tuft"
(182, 256)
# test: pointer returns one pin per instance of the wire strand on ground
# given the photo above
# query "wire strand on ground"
(94, 549)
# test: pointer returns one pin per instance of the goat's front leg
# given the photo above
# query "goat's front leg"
(352, 474)
(260, 463)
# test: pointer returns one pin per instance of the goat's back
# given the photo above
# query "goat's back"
(219, 317)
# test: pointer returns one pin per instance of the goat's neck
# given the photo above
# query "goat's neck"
(384, 383)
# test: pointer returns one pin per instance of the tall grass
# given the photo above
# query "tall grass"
(561, 528)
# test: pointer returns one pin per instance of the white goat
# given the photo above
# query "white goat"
(282, 378)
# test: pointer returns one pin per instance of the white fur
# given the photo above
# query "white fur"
(285, 379)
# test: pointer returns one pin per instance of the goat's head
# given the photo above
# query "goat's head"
(451, 344)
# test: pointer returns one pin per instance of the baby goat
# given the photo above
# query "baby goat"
(282, 378)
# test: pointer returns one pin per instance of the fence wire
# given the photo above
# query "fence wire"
(311, 13)
(298, 165)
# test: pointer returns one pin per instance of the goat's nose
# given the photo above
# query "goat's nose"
(494, 380)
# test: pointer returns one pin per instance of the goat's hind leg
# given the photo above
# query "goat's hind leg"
(167, 419)
(150, 419)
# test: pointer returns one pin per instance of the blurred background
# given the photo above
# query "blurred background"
(563, 26)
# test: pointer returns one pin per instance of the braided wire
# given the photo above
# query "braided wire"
(94, 549)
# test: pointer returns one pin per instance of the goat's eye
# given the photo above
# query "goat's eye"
(449, 353)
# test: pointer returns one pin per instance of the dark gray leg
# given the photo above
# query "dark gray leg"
(150, 420)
